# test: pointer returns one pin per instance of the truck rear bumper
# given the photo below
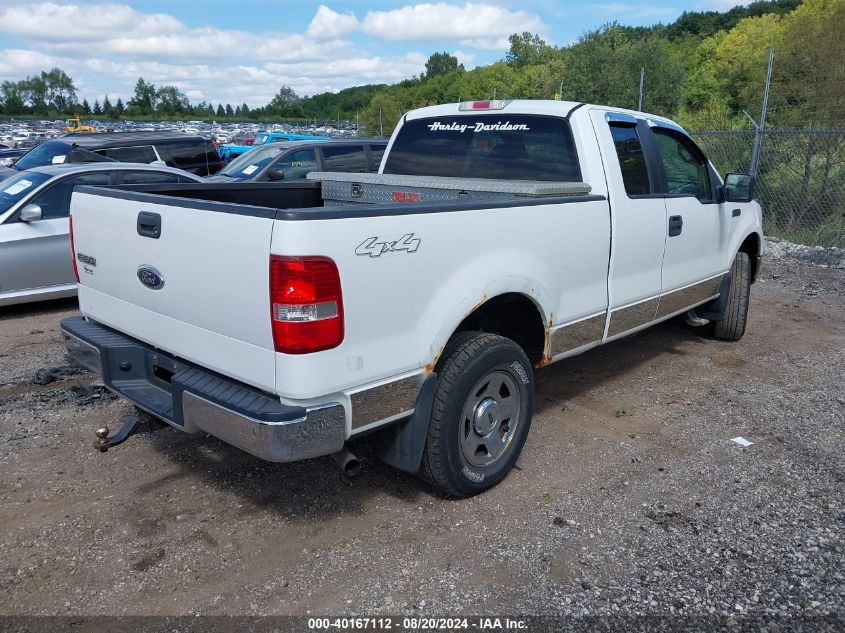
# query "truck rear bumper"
(196, 400)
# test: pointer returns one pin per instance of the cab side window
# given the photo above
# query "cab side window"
(631, 157)
(296, 164)
(344, 158)
(685, 166)
(55, 200)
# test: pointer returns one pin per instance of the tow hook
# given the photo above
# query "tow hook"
(135, 423)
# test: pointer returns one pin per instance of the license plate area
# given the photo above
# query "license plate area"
(162, 371)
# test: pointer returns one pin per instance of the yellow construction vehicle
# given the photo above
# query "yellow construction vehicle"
(75, 125)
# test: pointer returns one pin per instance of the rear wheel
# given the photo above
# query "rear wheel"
(732, 327)
(481, 413)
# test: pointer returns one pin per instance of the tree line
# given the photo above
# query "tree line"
(704, 69)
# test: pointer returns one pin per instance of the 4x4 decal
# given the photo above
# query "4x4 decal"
(378, 246)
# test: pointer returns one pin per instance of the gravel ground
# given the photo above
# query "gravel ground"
(629, 497)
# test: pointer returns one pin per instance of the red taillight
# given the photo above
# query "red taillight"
(406, 196)
(306, 306)
(73, 250)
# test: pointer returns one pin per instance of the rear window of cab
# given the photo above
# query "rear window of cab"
(519, 147)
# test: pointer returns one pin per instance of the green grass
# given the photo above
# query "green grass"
(831, 233)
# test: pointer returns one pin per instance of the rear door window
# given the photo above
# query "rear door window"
(189, 155)
(631, 157)
(512, 147)
(344, 158)
(139, 154)
(151, 177)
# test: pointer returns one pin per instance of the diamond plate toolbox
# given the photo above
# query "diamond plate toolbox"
(342, 189)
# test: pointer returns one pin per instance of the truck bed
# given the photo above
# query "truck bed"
(324, 191)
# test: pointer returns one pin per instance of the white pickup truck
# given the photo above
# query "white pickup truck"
(497, 237)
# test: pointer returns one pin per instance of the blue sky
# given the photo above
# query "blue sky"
(235, 52)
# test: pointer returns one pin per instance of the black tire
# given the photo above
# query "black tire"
(732, 327)
(469, 359)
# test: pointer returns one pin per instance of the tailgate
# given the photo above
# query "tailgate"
(199, 290)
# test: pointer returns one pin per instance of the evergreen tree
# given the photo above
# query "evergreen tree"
(97, 108)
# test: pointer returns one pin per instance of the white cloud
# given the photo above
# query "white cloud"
(105, 47)
(483, 26)
(329, 24)
(52, 22)
(18, 63)
(467, 59)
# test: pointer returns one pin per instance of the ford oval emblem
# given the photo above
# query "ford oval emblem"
(151, 277)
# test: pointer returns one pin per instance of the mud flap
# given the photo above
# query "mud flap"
(715, 310)
(401, 445)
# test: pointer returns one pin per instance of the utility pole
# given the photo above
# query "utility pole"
(494, 94)
(758, 134)
(642, 79)
(380, 125)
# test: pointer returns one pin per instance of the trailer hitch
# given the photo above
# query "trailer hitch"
(138, 422)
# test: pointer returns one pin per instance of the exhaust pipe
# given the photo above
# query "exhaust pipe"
(347, 462)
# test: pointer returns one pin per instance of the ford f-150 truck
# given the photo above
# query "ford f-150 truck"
(416, 303)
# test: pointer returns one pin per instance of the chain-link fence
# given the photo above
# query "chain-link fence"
(800, 181)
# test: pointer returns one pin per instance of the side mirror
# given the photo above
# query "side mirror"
(30, 213)
(274, 176)
(738, 188)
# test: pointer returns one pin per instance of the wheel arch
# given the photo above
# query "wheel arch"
(752, 244)
(514, 315)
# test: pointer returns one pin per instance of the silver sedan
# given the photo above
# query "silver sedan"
(35, 256)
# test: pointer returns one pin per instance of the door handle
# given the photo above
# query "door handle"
(149, 225)
(676, 225)
(736, 213)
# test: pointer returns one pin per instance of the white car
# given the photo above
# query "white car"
(35, 257)
(498, 237)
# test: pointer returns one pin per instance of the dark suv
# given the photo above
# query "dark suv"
(194, 154)
(292, 160)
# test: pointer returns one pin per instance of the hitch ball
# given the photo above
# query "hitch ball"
(103, 435)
